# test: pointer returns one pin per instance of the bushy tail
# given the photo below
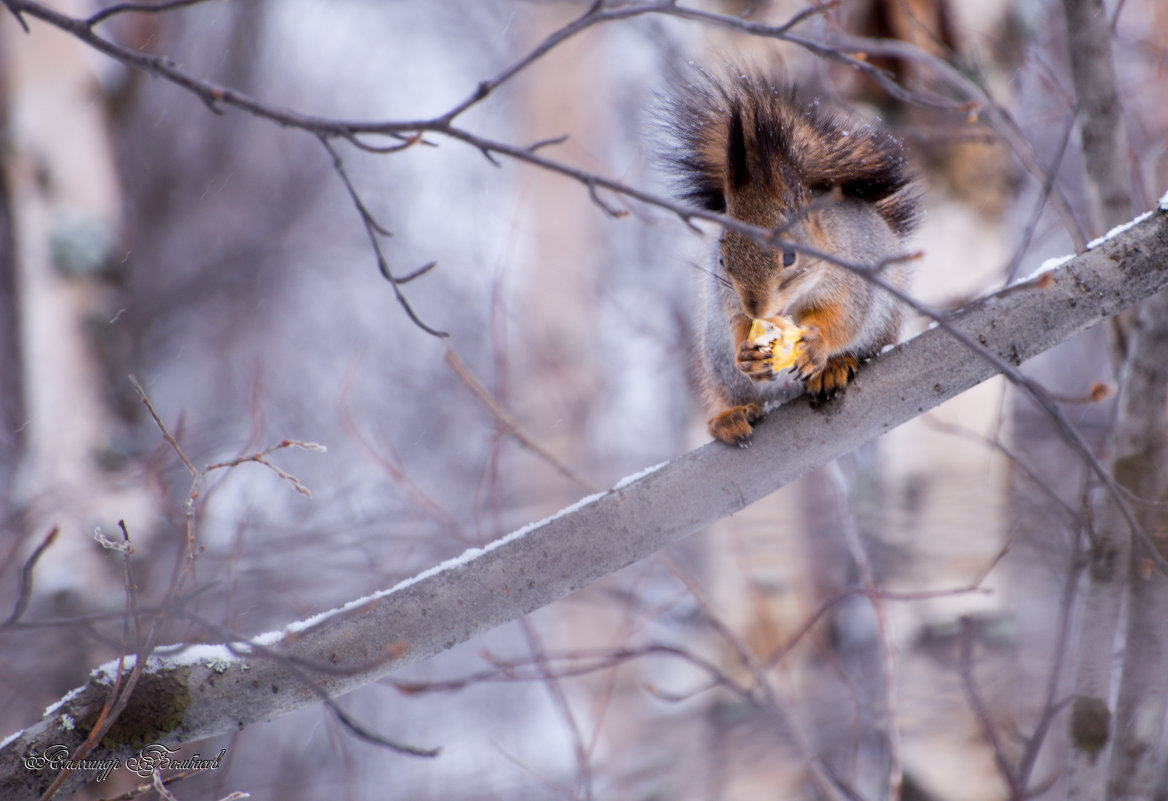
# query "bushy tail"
(750, 130)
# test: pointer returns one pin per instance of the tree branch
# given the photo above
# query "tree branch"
(217, 689)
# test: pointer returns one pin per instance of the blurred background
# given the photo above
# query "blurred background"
(220, 259)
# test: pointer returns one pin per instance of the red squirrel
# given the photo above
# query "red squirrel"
(751, 148)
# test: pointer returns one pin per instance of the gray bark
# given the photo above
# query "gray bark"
(199, 694)
(1140, 464)
(1119, 752)
(1101, 129)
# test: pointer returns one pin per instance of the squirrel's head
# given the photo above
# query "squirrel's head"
(750, 146)
(766, 193)
(766, 279)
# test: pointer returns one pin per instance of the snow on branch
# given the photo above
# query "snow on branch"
(197, 692)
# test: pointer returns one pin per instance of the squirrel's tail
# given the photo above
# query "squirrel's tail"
(750, 133)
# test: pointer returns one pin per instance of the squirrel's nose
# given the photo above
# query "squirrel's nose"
(757, 305)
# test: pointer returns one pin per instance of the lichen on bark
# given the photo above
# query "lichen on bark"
(155, 709)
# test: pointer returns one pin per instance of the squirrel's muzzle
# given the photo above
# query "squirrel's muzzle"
(758, 304)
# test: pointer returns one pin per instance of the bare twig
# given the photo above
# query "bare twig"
(26, 574)
(262, 458)
(119, 695)
(1051, 707)
(170, 440)
(764, 694)
(1072, 516)
(138, 8)
(160, 788)
(299, 668)
(979, 709)
(141, 789)
(578, 663)
(508, 422)
(1044, 194)
(375, 230)
(392, 466)
(598, 13)
(16, 12)
(555, 690)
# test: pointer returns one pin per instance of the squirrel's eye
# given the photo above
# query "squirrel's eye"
(788, 258)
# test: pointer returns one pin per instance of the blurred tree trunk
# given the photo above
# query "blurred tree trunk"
(11, 405)
(60, 215)
(1115, 754)
(1141, 465)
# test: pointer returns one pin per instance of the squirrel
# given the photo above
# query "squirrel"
(752, 148)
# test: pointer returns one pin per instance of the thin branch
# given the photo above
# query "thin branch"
(510, 424)
(87, 620)
(299, 668)
(262, 458)
(1050, 707)
(119, 695)
(138, 8)
(1072, 516)
(549, 142)
(979, 709)
(763, 694)
(418, 273)
(599, 13)
(375, 230)
(579, 663)
(170, 440)
(26, 573)
(609, 210)
(16, 12)
(141, 789)
(391, 464)
(1043, 196)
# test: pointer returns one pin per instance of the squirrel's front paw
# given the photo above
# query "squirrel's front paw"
(755, 361)
(734, 425)
(771, 346)
(823, 375)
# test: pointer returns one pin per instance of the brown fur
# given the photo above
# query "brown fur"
(753, 149)
(797, 145)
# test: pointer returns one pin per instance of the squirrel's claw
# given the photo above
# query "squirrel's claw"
(812, 359)
(835, 374)
(755, 363)
(734, 425)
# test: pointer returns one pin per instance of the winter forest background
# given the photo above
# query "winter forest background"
(912, 620)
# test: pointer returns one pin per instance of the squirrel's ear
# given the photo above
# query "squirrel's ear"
(738, 156)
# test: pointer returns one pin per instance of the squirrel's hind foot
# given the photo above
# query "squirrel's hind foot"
(735, 425)
(835, 374)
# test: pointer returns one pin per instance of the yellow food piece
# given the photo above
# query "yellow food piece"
(778, 336)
